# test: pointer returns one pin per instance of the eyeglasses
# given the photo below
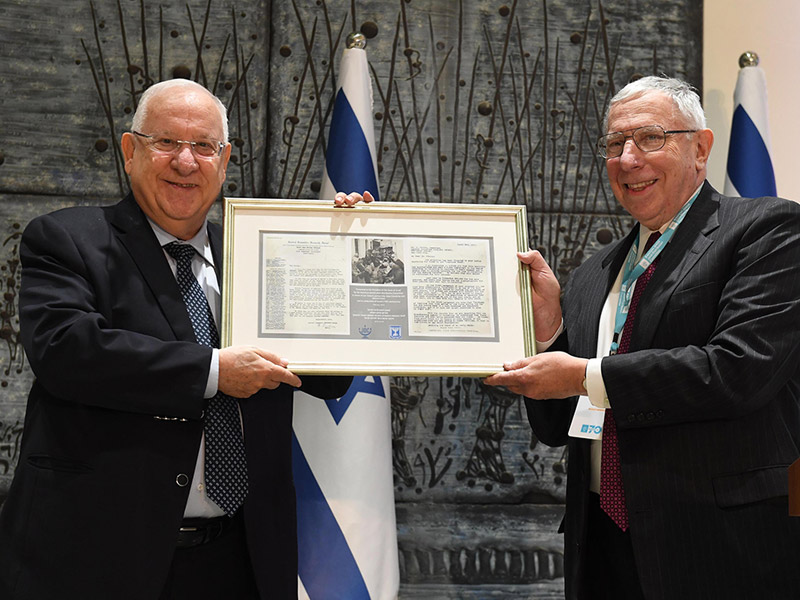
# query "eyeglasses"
(648, 139)
(165, 145)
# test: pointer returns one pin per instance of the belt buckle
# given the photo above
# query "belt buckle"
(191, 535)
(185, 529)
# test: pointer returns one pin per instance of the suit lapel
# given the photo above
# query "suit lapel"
(135, 234)
(612, 263)
(215, 239)
(594, 292)
(692, 239)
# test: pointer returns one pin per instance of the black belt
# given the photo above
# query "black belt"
(195, 532)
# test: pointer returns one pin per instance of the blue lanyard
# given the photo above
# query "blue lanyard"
(633, 269)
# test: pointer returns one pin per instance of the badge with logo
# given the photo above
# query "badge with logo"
(587, 422)
(395, 332)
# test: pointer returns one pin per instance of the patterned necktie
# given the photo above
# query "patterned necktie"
(226, 465)
(612, 491)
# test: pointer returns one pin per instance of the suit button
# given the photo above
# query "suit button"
(659, 413)
(640, 417)
(631, 418)
(650, 416)
(182, 480)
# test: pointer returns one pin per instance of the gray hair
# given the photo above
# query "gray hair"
(140, 115)
(685, 97)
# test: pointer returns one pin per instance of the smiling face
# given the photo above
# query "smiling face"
(176, 190)
(653, 186)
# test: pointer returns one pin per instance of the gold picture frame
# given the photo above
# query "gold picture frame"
(387, 288)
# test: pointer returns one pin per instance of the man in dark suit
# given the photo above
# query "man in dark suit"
(685, 495)
(109, 498)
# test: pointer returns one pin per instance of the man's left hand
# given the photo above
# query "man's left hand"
(347, 200)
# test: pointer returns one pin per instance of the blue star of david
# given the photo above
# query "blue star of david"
(367, 385)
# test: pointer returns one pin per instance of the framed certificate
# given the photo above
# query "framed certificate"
(387, 288)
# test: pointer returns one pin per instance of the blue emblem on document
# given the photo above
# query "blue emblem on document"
(365, 331)
(395, 332)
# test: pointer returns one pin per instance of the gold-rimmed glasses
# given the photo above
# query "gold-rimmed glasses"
(648, 138)
(167, 145)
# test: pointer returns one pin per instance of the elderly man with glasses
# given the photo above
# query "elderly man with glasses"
(686, 333)
(154, 464)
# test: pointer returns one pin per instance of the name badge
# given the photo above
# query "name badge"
(587, 422)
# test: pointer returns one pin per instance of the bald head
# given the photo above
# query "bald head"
(165, 88)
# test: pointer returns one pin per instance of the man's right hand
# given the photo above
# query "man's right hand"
(546, 295)
(244, 370)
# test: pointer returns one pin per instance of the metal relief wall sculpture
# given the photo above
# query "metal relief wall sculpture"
(489, 102)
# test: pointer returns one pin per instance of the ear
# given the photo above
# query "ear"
(226, 156)
(127, 150)
(705, 140)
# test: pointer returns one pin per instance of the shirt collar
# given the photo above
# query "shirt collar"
(199, 242)
(644, 232)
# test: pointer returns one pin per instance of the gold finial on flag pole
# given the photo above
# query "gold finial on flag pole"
(748, 59)
(356, 40)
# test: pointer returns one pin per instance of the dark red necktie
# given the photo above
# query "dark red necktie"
(612, 491)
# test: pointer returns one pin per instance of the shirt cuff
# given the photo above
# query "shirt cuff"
(213, 375)
(595, 386)
(542, 346)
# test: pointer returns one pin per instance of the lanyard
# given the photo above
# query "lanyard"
(633, 269)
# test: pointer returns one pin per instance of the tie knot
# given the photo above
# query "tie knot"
(180, 252)
(651, 240)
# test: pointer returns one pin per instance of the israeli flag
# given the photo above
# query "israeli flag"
(749, 173)
(351, 163)
(347, 535)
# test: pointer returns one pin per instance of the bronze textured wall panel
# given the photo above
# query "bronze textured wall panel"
(474, 101)
(72, 72)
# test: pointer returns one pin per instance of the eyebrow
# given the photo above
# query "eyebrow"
(637, 127)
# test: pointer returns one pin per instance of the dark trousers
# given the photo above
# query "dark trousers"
(610, 564)
(213, 571)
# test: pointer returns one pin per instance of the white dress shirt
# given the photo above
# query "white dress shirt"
(198, 503)
(595, 386)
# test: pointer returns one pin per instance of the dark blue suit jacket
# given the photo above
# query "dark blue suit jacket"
(707, 404)
(114, 420)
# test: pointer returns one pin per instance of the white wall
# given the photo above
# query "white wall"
(770, 29)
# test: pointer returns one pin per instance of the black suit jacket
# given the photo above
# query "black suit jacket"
(707, 404)
(113, 422)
